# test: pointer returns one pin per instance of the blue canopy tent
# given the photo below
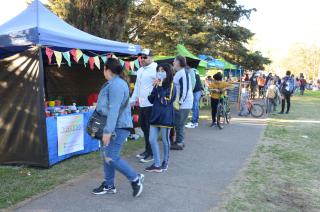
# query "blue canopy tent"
(26, 77)
(212, 62)
(39, 26)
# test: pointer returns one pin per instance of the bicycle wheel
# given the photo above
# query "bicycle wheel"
(228, 114)
(257, 110)
(220, 117)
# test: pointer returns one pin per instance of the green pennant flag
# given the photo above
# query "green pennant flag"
(85, 60)
(136, 63)
(66, 56)
(121, 62)
(104, 59)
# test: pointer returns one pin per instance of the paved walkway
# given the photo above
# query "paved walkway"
(195, 180)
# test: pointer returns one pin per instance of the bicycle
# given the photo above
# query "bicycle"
(255, 109)
(223, 112)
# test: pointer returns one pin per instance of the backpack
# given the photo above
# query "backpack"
(287, 85)
(272, 92)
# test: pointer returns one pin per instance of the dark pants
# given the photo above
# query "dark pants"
(214, 107)
(253, 92)
(144, 118)
(181, 117)
(287, 98)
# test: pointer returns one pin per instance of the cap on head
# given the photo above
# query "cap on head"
(146, 52)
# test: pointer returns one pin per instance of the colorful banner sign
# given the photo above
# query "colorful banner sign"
(70, 134)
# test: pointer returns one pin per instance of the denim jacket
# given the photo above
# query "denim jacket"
(113, 103)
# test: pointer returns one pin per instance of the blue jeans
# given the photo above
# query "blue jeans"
(196, 107)
(165, 135)
(181, 117)
(113, 161)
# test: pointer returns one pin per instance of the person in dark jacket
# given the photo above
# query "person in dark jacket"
(162, 116)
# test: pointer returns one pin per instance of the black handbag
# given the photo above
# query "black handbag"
(97, 121)
(96, 124)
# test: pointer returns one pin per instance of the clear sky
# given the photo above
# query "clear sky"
(10, 8)
(280, 23)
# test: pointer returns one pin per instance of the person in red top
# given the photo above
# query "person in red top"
(303, 84)
(92, 98)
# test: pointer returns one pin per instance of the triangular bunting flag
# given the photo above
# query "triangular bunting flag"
(109, 55)
(85, 60)
(140, 60)
(104, 59)
(136, 63)
(49, 53)
(79, 54)
(115, 57)
(97, 61)
(66, 56)
(73, 52)
(132, 65)
(91, 63)
(127, 64)
(121, 62)
(58, 56)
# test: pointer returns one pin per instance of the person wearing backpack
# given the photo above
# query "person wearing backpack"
(286, 90)
(184, 100)
(272, 96)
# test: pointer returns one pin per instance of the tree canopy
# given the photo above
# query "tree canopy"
(204, 26)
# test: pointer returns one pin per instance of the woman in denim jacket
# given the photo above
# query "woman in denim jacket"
(113, 103)
(162, 116)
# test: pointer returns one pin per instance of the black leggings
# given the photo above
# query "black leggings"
(287, 98)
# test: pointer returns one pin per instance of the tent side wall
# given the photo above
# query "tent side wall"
(23, 138)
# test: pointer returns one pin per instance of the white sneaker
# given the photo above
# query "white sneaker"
(196, 124)
(190, 125)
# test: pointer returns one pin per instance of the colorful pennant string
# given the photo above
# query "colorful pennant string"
(77, 54)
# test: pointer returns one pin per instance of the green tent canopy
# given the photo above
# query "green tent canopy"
(181, 50)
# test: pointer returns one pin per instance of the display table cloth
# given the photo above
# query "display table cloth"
(88, 144)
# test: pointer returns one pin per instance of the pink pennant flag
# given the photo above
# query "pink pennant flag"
(91, 63)
(49, 53)
(140, 60)
(127, 64)
(73, 52)
(109, 55)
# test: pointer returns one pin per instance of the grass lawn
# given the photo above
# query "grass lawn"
(20, 183)
(283, 173)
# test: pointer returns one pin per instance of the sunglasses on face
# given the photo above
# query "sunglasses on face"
(144, 57)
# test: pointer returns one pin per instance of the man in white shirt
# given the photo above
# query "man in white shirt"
(182, 81)
(146, 75)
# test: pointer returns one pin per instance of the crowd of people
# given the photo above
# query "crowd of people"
(166, 94)
(273, 89)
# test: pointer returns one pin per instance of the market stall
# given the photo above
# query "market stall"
(49, 71)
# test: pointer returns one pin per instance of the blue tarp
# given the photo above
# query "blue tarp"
(212, 62)
(37, 25)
